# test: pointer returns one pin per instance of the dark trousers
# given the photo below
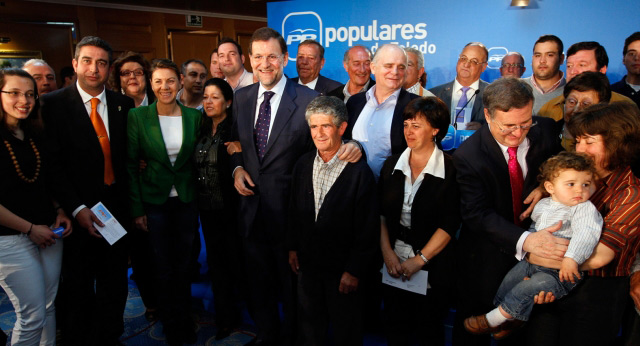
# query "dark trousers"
(413, 318)
(94, 288)
(590, 315)
(172, 227)
(225, 264)
(630, 326)
(320, 303)
(270, 278)
(142, 264)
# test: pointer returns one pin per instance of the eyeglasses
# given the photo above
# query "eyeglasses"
(508, 130)
(137, 72)
(29, 95)
(271, 58)
(512, 65)
(571, 103)
(463, 59)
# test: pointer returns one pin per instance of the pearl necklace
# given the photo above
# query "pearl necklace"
(17, 165)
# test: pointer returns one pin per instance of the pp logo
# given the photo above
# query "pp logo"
(300, 26)
(495, 57)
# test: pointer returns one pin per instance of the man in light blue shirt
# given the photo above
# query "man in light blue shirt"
(375, 117)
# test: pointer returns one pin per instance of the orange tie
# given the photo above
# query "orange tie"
(103, 137)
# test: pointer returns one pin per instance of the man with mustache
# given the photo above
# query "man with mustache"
(43, 74)
(193, 74)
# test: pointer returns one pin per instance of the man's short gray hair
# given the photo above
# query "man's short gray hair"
(386, 47)
(327, 105)
(345, 59)
(506, 93)
(37, 62)
(418, 54)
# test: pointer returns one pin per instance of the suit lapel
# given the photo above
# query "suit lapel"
(478, 112)
(283, 114)
(249, 124)
(84, 121)
(188, 130)
(151, 123)
(448, 94)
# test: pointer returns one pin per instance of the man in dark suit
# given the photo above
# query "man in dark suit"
(357, 63)
(331, 199)
(87, 127)
(375, 117)
(497, 172)
(309, 62)
(272, 131)
(463, 95)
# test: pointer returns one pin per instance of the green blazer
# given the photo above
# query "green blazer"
(153, 184)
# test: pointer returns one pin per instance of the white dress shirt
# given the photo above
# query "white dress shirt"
(311, 85)
(456, 94)
(278, 90)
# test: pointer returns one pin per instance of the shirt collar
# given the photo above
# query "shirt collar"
(329, 164)
(555, 86)
(371, 96)
(474, 86)
(435, 165)
(311, 85)
(87, 98)
(278, 89)
(522, 146)
(345, 90)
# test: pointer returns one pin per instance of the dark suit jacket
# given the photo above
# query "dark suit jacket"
(357, 102)
(345, 235)
(153, 184)
(324, 84)
(290, 138)
(444, 92)
(488, 236)
(338, 92)
(75, 144)
(435, 205)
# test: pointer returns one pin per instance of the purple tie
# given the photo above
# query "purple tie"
(461, 104)
(261, 131)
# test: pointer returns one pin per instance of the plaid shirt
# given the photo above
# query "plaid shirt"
(618, 200)
(324, 175)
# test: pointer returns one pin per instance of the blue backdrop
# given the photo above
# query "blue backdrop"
(441, 28)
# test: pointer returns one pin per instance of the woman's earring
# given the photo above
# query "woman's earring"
(122, 91)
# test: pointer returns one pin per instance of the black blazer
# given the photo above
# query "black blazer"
(435, 205)
(444, 92)
(345, 235)
(75, 145)
(357, 102)
(488, 237)
(338, 92)
(290, 138)
(324, 84)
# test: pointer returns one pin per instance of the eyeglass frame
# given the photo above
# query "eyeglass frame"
(18, 94)
(127, 73)
(464, 59)
(514, 127)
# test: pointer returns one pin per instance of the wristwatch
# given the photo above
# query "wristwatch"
(419, 253)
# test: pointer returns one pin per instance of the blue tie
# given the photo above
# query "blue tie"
(462, 103)
(261, 132)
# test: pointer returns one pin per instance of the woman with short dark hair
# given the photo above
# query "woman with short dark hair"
(420, 207)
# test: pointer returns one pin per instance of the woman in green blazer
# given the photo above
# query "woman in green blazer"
(162, 194)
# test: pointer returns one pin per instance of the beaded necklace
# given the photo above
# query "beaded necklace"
(17, 165)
